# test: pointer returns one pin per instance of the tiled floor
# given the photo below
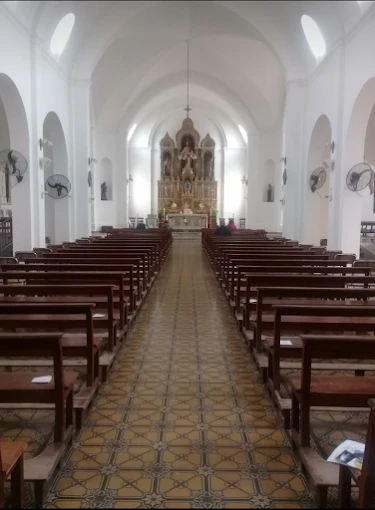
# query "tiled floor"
(184, 421)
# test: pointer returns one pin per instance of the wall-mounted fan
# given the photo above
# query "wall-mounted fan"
(57, 186)
(14, 165)
(359, 176)
(317, 178)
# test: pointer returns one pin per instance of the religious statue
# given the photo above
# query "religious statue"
(187, 155)
(208, 166)
(269, 193)
(104, 191)
(167, 167)
(187, 186)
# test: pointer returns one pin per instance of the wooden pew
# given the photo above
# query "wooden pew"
(364, 479)
(78, 278)
(99, 295)
(292, 270)
(18, 389)
(142, 273)
(309, 391)
(230, 273)
(308, 319)
(11, 465)
(134, 292)
(66, 317)
(253, 281)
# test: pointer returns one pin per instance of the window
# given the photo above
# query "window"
(61, 34)
(314, 36)
(243, 133)
(364, 4)
(131, 132)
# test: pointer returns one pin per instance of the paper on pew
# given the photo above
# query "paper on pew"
(253, 300)
(285, 342)
(98, 315)
(44, 379)
(349, 453)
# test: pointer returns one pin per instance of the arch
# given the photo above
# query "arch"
(15, 129)
(56, 210)
(352, 204)
(106, 176)
(316, 204)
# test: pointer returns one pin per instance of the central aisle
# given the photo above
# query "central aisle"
(184, 421)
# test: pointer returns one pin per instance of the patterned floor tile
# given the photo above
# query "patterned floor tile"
(184, 420)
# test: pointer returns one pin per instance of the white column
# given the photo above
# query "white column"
(122, 175)
(154, 186)
(81, 154)
(340, 198)
(294, 142)
(26, 196)
(252, 164)
(220, 191)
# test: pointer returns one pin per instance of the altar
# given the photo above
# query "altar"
(187, 181)
(187, 222)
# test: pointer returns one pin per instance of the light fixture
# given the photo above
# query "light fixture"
(91, 160)
(130, 179)
(187, 109)
(44, 142)
(244, 180)
(283, 160)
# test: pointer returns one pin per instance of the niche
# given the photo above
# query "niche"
(106, 179)
(269, 181)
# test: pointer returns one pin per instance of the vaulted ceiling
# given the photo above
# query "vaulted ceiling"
(241, 53)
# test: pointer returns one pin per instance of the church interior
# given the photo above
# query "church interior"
(187, 252)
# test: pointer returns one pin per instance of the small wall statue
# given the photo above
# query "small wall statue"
(269, 193)
(104, 188)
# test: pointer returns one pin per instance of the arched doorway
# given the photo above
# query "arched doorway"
(56, 210)
(317, 202)
(359, 138)
(14, 134)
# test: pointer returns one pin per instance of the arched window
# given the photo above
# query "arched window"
(62, 33)
(243, 133)
(313, 36)
(131, 132)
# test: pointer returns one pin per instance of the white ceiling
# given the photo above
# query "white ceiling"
(242, 53)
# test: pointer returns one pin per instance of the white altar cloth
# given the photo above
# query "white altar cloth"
(193, 221)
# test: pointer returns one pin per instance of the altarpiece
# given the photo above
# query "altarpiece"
(187, 181)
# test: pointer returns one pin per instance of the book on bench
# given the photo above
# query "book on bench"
(349, 453)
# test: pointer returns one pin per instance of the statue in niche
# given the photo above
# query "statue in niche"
(269, 193)
(187, 155)
(104, 188)
(208, 167)
(187, 187)
(167, 166)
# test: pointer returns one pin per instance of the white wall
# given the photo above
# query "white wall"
(331, 90)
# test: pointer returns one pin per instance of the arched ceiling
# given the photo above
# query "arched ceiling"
(243, 52)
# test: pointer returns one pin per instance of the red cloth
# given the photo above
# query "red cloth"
(232, 227)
